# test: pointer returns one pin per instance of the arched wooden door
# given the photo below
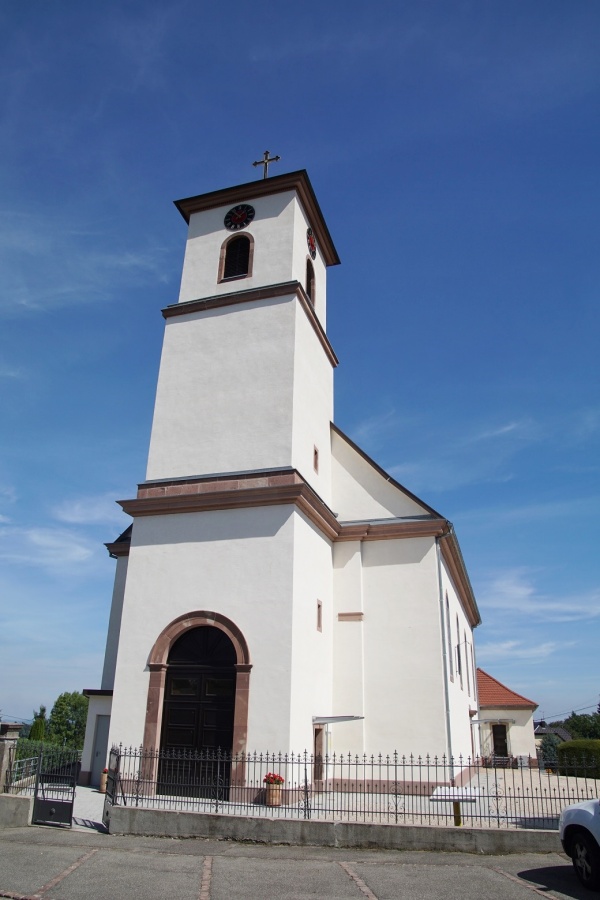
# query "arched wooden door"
(199, 699)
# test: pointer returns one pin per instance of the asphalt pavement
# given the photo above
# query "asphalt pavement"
(53, 863)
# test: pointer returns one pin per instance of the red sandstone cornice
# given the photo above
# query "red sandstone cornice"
(118, 548)
(288, 487)
(278, 184)
(271, 488)
(253, 295)
(454, 561)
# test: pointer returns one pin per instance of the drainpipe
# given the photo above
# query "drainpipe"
(445, 648)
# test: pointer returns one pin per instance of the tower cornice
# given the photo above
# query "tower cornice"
(253, 295)
(291, 181)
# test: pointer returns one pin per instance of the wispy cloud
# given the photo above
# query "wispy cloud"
(438, 455)
(381, 426)
(492, 517)
(513, 650)
(514, 591)
(100, 509)
(49, 548)
(497, 432)
(12, 373)
(48, 264)
(8, 493)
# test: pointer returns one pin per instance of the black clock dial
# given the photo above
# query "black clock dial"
(239, 216)
(312, 242)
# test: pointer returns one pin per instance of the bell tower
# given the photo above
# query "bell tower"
(246, 374)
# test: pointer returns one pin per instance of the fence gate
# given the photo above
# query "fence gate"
(112, 786)
(54, 793)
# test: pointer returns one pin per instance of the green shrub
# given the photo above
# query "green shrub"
(27, 749)
(580, 758)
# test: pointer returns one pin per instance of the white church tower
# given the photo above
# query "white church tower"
(276, 587)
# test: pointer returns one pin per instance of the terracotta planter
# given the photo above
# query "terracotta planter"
(103, 780)
(273, 794)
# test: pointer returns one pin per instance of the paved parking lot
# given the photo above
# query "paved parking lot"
(63, 864)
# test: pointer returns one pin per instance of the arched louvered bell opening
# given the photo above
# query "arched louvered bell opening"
(237, 257)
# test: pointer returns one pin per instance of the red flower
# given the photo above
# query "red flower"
(273, 778)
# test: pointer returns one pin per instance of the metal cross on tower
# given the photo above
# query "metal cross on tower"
(265, 162)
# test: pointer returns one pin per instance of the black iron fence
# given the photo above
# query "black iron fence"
(514, 793)
(52, 761)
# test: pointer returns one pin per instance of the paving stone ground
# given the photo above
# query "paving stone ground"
(51, 863)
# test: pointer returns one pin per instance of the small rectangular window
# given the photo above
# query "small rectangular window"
(316, 459)
(319, 616)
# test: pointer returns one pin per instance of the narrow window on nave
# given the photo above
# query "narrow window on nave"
(458, 655)
(449, 639)
(467, 665)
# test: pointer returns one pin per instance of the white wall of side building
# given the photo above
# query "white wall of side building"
(312, 658)
(348, 648)
(360, 491)
(462, 685)
(238, 562)
(97, 706)
(519, 727)
(404, 698)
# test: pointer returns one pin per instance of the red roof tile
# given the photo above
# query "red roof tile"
(495, 695)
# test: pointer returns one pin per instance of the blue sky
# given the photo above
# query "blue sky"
(454, 150)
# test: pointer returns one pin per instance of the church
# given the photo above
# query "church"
(277, 590)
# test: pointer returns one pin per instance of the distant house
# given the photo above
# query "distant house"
(541, 729)
(505, 720)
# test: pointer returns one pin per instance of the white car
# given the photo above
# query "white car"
(579, 827)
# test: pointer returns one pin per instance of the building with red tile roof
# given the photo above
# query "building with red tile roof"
(505, 720)
(492, 693)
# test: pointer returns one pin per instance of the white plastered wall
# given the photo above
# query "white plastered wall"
(462, 689)
(224, 400)
(235, 562)
(114, 625)
(404, 698)
(300, 256)
(272, 230)
(348, 649)
(312, 663)
(519, 727)
(280, 250)
(98, 705)
(313, 407)
(360, 492)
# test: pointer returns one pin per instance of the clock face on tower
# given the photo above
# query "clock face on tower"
(312, 242)
(239, 216)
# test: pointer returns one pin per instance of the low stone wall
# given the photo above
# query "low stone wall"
(15, 811)
(304, 832)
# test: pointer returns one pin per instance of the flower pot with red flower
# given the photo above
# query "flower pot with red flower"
(273, 788)
(103, 780)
